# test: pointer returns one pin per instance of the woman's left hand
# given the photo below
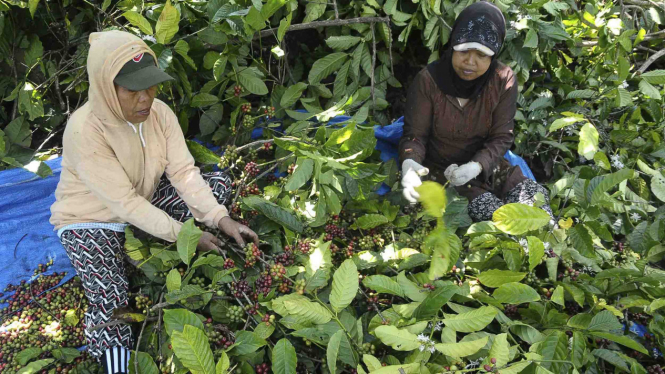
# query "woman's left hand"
(464, 173)
(237, 231)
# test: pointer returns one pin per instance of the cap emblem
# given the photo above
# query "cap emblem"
(138, 57)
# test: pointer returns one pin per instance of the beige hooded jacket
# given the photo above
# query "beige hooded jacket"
(110, 168)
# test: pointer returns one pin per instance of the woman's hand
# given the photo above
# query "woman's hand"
(463, 174)
(237, 231)
(411, 173)
(209, 242)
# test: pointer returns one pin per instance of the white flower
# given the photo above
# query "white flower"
(624, 85)
(582, 159)
(618, 223)
(569, 131)
(635, 217)
(423, 338)
(570, 343)
(547, 245)
(422, 348)
(524, 242)
(432, 349)
(439, 326)
(512, 24)
(588, 269)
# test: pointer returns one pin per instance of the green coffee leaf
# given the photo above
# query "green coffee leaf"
(515, 293)
(325, 66)
(188, 240)
(173, 280)
(224, 364)
(167, 24)
(620, 339)
(247, 342)
(284, 358)
(517, 219)
(139, 21)
(588, 145)
(462, 349)
(176, 319)
(536, 251)
(344, 286)
(27, 354)
(36, 366)
(300, 176)
(399, 340)
(433, 198)
(192, 348)
(146, 363)
(472, 321)
(496, 278)
(383, 284)
(252, 83)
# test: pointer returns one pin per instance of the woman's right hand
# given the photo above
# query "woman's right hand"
(209, 242)
(411, 173)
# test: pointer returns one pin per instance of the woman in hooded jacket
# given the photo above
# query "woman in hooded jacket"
(458, 121)
(125, 162)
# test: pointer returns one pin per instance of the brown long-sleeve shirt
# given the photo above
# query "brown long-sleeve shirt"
(439, 132)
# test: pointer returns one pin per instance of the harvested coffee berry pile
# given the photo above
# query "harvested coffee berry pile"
(42, 326)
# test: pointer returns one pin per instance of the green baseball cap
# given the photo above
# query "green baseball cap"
(141, 73)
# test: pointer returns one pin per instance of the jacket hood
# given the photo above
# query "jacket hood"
(109, 51)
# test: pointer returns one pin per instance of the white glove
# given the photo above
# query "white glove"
(462, 174)
(411, 173)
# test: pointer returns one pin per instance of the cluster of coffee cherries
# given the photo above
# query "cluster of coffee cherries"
(235, 313)
(547, 292)
(143, 303)
(246, 108)
(334, 232)
(277, 272)
(229, 157)
(269, 111)
(511, 311)
(252, 254)
(491, 367)
(262, 368)
(300, 286)
(215, 335)
(229, 263)
(268, 319)
(240, 287)
(286, 258)
(250, 189)
(252, 169)
(48, 318)
(655, 369)
(237, 90)
(368, 243)
(569, 274)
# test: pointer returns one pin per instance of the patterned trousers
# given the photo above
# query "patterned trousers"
(98, 254)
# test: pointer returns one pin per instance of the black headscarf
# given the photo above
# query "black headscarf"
(483, 23)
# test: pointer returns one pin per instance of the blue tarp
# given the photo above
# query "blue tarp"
(27, 238)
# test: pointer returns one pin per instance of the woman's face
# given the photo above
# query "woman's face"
(136, 104)
(470, 64)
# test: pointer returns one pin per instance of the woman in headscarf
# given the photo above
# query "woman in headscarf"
(125, 161)
(458, 122)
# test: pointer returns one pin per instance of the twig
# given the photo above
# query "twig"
(19, 242)
(373, 66)
(253, 144)
(376, 308)
(651, 60)
(138, 343)
(337, 22)
(336, 11)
